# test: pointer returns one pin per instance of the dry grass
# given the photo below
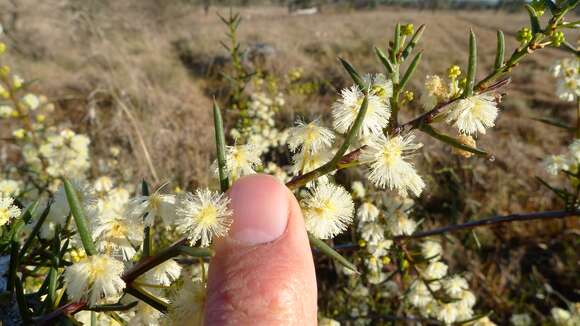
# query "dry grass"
(161, 61)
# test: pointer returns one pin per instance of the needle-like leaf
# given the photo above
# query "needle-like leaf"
(328, 251)
(471, 65)
(384, 60)
(220, 147)
(78, 213)
(147, 239)
(409, 72)
(354, 75)
(499, 55)
(412, 42)
(534, 20)
(452, 141)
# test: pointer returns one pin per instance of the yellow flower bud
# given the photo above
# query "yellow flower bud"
(40, 118)
(386, 260)
(2, 47)
(19, 133)
(4, 70)
(453, 72)
(408, 96)
(407, 29)
(362, 243)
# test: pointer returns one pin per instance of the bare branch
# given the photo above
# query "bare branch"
(479, 223)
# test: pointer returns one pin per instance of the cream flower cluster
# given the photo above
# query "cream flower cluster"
(566, 317)
(567, 72)
(569, 161)
(258, 125)
(65, 153)
(94, 279)
(328, 208)
(434, 293)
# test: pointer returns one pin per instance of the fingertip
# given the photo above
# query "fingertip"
(260, 204)
(263, 270)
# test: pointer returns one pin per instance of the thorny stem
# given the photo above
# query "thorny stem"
(493, 221)
(148, 298)
(479, 223)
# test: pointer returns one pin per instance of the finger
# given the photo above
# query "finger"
(262, 272)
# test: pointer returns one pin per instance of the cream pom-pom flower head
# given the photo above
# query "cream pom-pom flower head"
(188, 305)
(328, 210)
(94, 279)
(241, 160)
(203, 216)
(310, 137)
(152, 206)
(8, 210)
(388, 167)
(473, 114)
(346, 109)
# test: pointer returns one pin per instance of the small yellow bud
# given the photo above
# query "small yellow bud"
(19, 133)
(177, 189)
(408, 96)
(453, 72)
(558, 38)
(362, 243)
(405, 264)
(524, 35)
(407, 29)
(4, 70)
(2, 47)
(386, 260)
(40, 118)
(373, 260)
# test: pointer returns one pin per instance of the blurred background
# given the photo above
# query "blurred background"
(140, 75)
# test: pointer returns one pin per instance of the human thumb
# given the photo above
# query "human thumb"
(262, 272)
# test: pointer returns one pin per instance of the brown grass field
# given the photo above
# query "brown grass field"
(160, 63)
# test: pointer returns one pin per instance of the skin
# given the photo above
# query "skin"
(262, 272)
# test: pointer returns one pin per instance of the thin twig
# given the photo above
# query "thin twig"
(492, 221)
(520, 217)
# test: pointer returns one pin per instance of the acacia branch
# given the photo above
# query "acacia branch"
(492, 221)
(429, 116)
(129, 276)
(519, 217)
